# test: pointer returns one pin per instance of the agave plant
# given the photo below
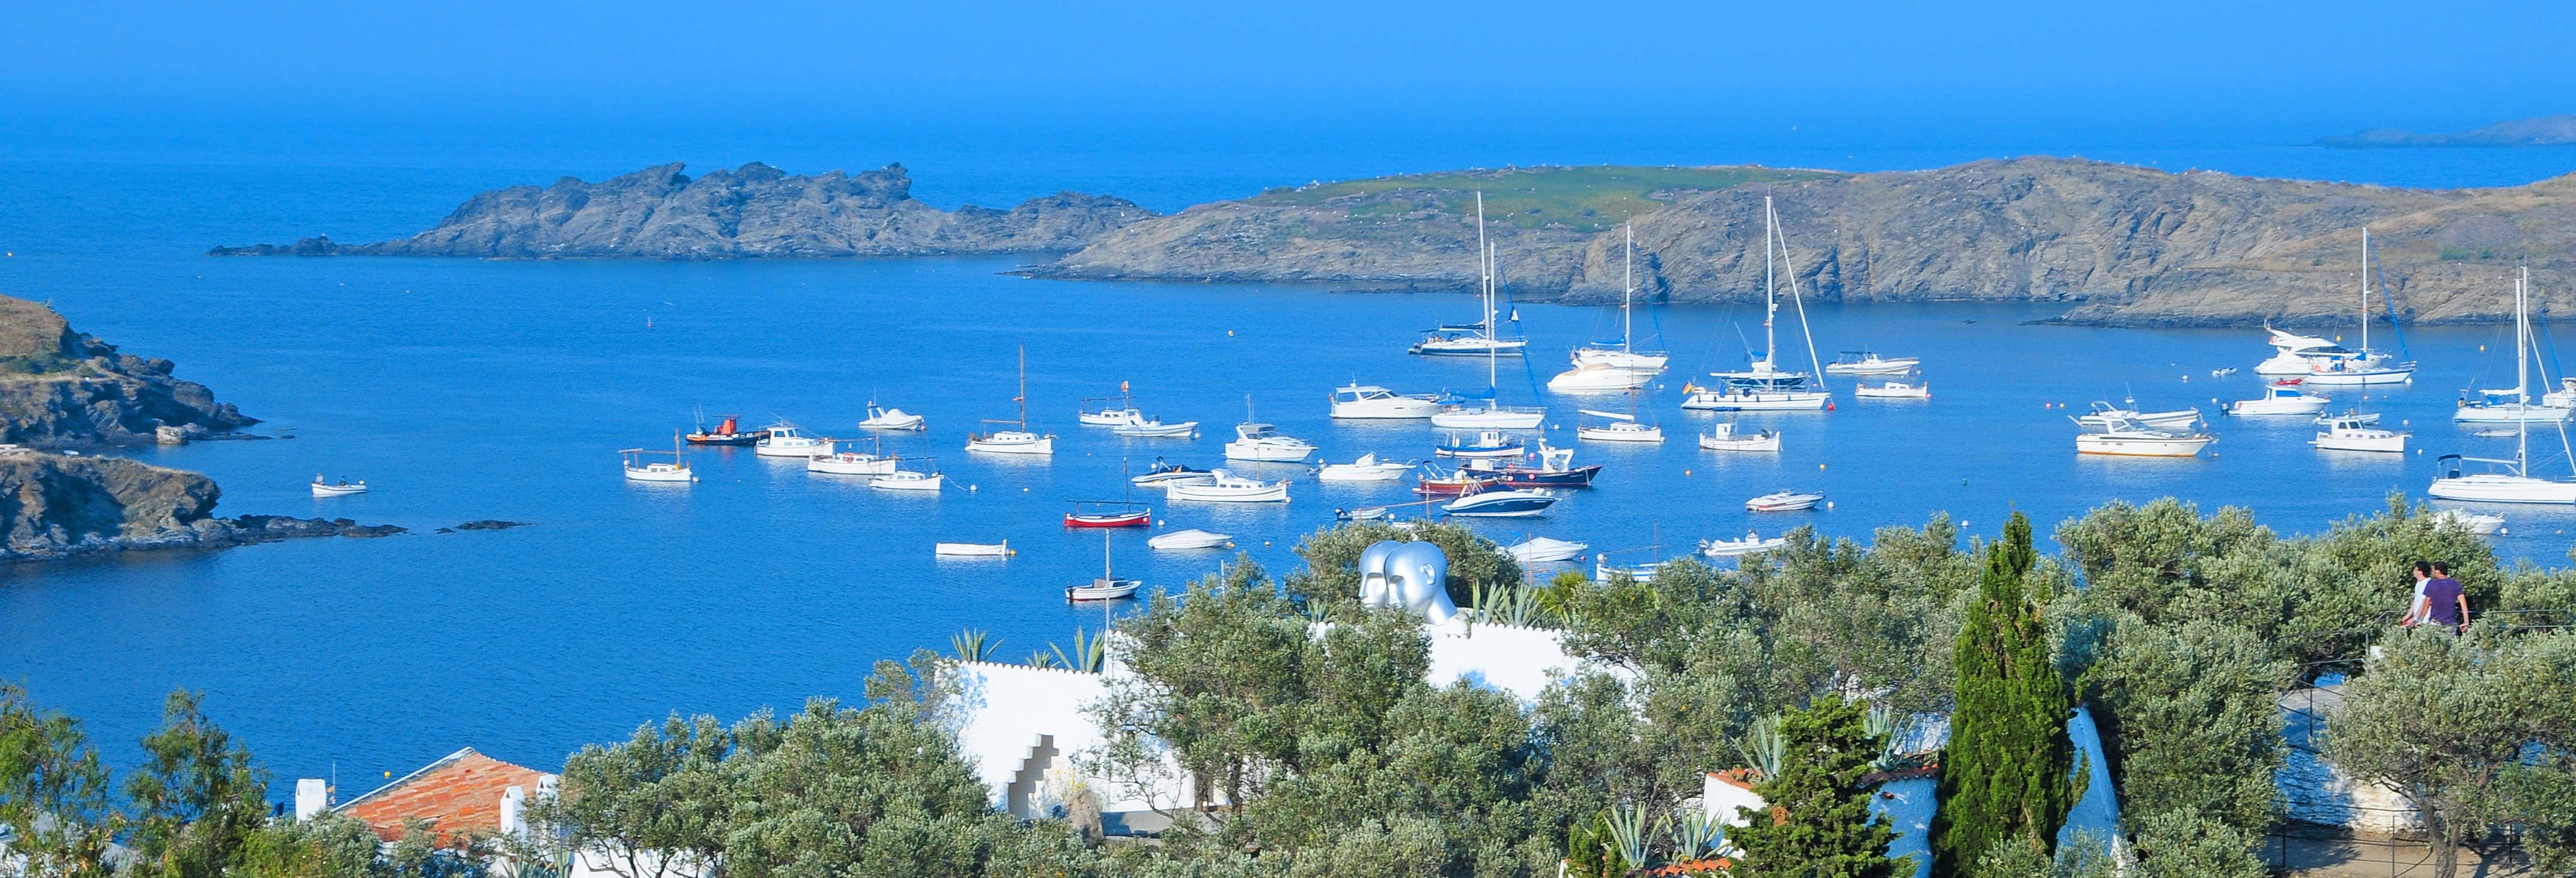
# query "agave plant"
(1763, 749)
(1891, 733)
(1694, 834)
(973, 644)
(1088, 652)
(1042, 659)
(1629, 832)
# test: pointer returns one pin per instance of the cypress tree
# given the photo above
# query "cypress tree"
(1822, 827)
(2006, 775)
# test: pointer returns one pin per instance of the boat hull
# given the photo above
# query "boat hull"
(1385, 409)
(1600, 378)
(1190, 539)
(1619, 434)
(971, 550)
(649, 474)
(1488, 419)
(1123, 519)
(766, 448)
(2367, 440)
(1352, 472)
(1183, 430)
(1275, 492)
(2507, 413)
(1469, 347)
(338, 490)
(1500, 504)
(1715, 401)
(1543, 550)
(2123, 446)
(726, 438)
(2491, 488)
(1783, 502)
(2258, 408)
(2363, 376)
(1007, 444)
(856, 465)
(890, 482)
(1267, 452)
(1739, 548)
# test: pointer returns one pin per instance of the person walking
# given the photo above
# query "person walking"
(2415, 604)
(2443, 601)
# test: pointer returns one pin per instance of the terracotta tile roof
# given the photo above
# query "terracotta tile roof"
(1692, 867)
(1739, 778)
(459, 794)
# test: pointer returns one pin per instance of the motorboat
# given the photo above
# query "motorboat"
(1109, 416)
(787, 440)
(1870, 363)
(2480, 523)
(1262, 442)
(2564, 396)
(972, 550)
(2103, 415)
(728, 431)
(2356, 416)
(1435, 482)
(1620, 428)
(2291, 352)
(2506, 481)
(1190, 539)
(1108, 513)
(1724, 436)
(1506, 503)
(1545, 550)
(675, 470)
(1490, 443)
(1363, 513)
(1226, 487)
(1357, 401)
(2353, 434)
(1467, 414)
(2222, 372)
(342, 488)
(1603, 571)
(1108, 587)
(1765, 386)
(1019, 439)
(1168, 474)
(1555, 469)
(908, 480)
(851, 463)
(1894, 388)
(2361, 365)
(1599, 368)
(2280, 398)
(1751, 543)
(882, 418)
(1366, 469)
(1784, 501)
(1154, 428)
(2129, 438)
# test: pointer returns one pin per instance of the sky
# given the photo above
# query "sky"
(2269, 69)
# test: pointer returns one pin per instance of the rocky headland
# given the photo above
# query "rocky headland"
(54, 506)
(60, 387)
(754, 211)
(2122, 245)
(2544, 131)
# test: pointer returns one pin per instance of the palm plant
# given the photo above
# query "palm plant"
(1088, 652)
(1763, 749)
(973, 645)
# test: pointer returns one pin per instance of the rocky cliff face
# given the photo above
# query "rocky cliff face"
(53, 506)
(60, 387)
(752, 211)
(2127, 245)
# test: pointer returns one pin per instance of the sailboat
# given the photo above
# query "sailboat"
(1601, 368)
(675, 471)
(1017, 440)
(1619, 427)
(2362, 366)
(1473, 339)
(1764, 387)
(1464, 414)
(2508, 481)
(1108, 587)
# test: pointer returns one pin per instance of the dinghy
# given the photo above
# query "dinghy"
(1725, 437)
(972, 550)
(892, 419)
(1751, 543)
(1108, 513)
(1190, 539)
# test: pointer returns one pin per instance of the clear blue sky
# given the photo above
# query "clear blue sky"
(2297, 66)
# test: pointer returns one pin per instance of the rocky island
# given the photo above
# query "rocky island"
(748, 212)
(63, 388)
(2544, 131)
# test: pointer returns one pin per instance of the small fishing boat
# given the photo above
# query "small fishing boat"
(1545, 550)
(727, 432)
(1490, 443)
(1154, 428)
(1363, 513)
(1452, 483)
(1620, 428)
(1226, 487)
(1870, 363)
(1357, 401)
(972, 550)
(2358, 417)
(2128, 438)
(1894, 388)
(1366, 469)
(2280, 398)
(2480, 523)
(2350, 434)
(908, 480)
(1190, 539)
(1508, 503)
(1751, 543)
(1109, 416)
(1725, 437)
(1167, 474)
(851, 463)
(1108, 513)
(1018, 439)
(2103, 414)
(1784, 501)
(787, 440)
(676, 470)
(1108, 587)
(881, 418)
(341, 489)
(1555, 469)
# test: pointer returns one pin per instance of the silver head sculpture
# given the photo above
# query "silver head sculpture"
(1409, 576)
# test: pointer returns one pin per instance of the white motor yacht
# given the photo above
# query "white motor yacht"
(788, 440)
(1894, 388)
(1724, 436)
(2128, 438)
(1751, 543)
(1190, 539)
(1512, 503)
(851, 463)
(972, 550)
(2354, 434)
(1545, 550)
(2480, 523)
(1262, 442)
(1617, 428)
(1784, 501)
(1226, 487)
(1371, 402)
(2280, 398)
(1870, 363)
(2293, 353)
(1366, 469)
(2103, 415)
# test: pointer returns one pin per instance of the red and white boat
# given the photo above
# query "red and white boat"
(1107, 514)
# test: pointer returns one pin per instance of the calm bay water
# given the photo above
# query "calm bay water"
(466, 390)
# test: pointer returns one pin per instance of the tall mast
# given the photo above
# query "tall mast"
(1493, 351)
(1023, 398)
(2521, 377)
(2365, 291)
(1484, 270)
(1628, 293)
(1105, 575)
(1770, 299)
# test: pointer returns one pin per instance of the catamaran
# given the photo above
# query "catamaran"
(1606, 368)
(1464, 413)
(2508, 481)
(1473, 339)
(1018, 439)
(1764, 387)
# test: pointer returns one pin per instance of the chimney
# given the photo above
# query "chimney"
(312, 797)
(512, 800)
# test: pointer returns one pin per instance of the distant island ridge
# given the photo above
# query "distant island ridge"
(2119, 244)
(2544, 131)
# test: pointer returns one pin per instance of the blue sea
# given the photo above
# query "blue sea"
(468, 390)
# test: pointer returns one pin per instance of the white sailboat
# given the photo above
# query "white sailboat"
(1466, 414)
(637, 470)
(1604, 368)
(1018, 439)
(1108, 587)
(1765, 387)
(2361, 366)
(1473, 339)
(2508, 481)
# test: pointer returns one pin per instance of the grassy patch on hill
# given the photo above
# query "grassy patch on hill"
(1591, 198)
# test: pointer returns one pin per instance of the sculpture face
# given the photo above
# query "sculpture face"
(1410, 576)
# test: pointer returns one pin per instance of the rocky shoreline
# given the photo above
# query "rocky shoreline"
(57, 506)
